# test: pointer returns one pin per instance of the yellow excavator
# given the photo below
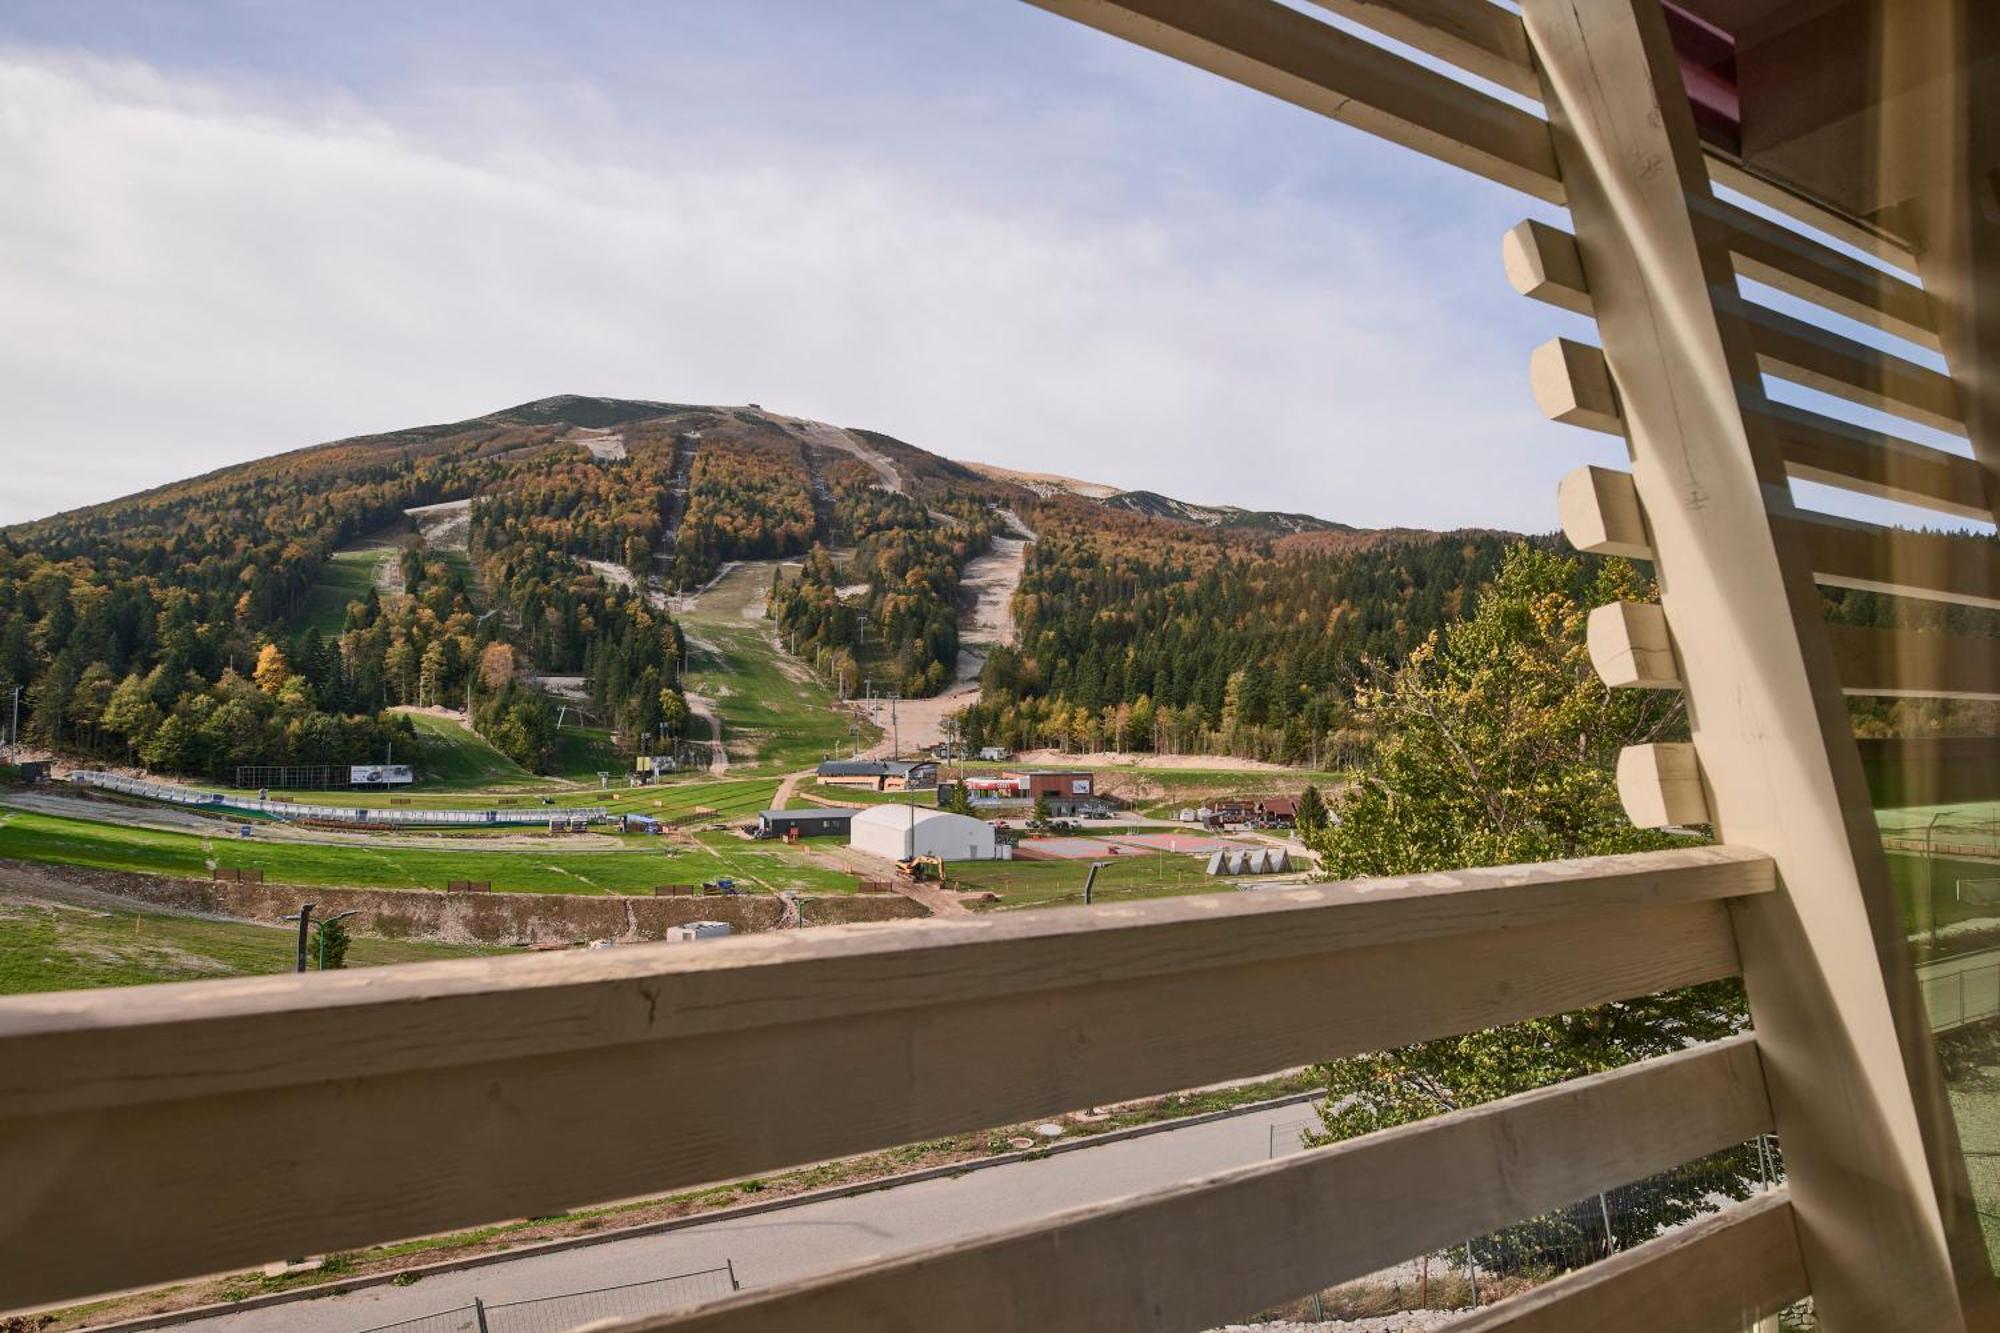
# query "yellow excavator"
(921, 868)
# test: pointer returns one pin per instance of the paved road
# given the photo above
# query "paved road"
(812, 1238)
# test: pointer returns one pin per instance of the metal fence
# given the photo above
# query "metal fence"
(557, 1314)
(1482, 1269)
(343, 814)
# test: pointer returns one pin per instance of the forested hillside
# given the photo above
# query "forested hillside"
(1140, 634)
(207, 624)
(170, 628)
(888, 611)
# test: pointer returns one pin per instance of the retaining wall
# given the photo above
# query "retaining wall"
(485, 918)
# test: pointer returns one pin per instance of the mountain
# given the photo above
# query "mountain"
(284, 611)
(1152, 503)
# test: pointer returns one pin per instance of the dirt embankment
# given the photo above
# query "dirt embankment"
(454, 918)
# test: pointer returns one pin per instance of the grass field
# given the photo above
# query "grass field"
(584, 752)
(346, 578)
(791, 721)
(54, 946)
(636, 867)
(1053, 883)
(457, 756)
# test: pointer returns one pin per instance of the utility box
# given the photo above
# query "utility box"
(697, 930)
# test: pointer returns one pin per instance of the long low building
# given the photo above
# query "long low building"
(818, 822)
(880, 774)
(899, 832)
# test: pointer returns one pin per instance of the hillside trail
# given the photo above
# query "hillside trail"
(836, 437)
(988, 623)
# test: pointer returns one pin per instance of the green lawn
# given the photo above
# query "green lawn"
(584, 752)
(636, 867)
(1912, 879)
(457, 756)
(346, 578)
(1053, 883)
(52, 946)
(792, 722)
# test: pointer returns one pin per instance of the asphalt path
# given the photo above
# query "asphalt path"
(796, 1242)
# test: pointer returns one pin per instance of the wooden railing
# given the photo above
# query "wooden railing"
(303, 1114)
(168, 1131)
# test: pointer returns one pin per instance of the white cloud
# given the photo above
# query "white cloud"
(191, 280)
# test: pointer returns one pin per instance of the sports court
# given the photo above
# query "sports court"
(1189, 844)
(1074, 849)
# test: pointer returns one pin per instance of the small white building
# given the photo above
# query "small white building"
(899, 832)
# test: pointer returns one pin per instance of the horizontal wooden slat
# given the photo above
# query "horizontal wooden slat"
(1834, 453)
(1809, 213)
(1601, 514)
(1478, 36)
(1310, 63)
(1723, 1272)
(508, 1087)
(1911, 663)
(1799, 266)
(1213, 1250)
(1931, 770)
(1802, 353)
(1543, 262)
(1936, 566)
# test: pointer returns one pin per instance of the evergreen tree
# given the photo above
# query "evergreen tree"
(1497, 744)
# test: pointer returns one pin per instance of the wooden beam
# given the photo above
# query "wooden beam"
(1854, 1081)
(1310, 63)
(127, 1110)
(1601, 514)
(1796, 264)
(1631, 648)
(1809, 213)
(1806, 354)
(1932, 770)
(1542, 262)
(1572, 385)
(1936, 566)
(1660, 785)
(1202, 1254)
(1478, 36)
(1834, 453)
(1724, 1271)
(1914, 664)
(1599, 507)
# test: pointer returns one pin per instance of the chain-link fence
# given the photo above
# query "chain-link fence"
(1484, 1269)
(557, 1314)
(1945, 868)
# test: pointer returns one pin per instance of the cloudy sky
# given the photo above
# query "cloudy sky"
(234, 227)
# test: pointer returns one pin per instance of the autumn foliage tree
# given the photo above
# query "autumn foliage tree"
(1496, 743)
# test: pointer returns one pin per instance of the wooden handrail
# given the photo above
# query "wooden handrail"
(1200, 1254)
(474, 1085)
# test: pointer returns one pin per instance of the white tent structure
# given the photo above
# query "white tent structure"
(899, 832)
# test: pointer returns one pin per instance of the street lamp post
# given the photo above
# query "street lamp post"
(304, 918)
